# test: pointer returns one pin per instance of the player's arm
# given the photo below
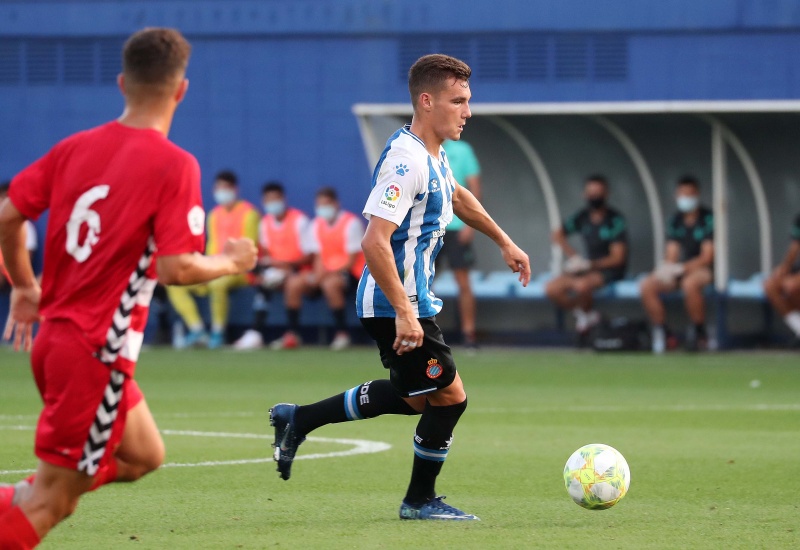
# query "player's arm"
(26, 293)
(672, 254)
(380, 261)
(704, 259)
(617, 252)
(470, 210)
(238, 256)
(791, 256)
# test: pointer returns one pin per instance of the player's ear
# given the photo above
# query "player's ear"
(425, 101)
(180, 93)
(121, 83)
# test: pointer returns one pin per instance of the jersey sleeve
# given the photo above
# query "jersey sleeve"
(263, 239)
(30, 189)
(471, 165)
(179, 225)
(708, 227)
(573, 224)
(618, 230)
(672, 228)
(395, 190)
(796, 228)
(308, 241)
(312, 244)
(355, 232)
(251, 222)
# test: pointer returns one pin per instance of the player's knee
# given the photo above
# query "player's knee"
(648, 286)
(771, 286)
(791, 286)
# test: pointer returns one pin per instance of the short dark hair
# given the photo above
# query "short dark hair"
(4, 187)
(689, 181)
(328, 192)
(155, 58)
(599, 178)
(228, 176)
(430, 72)
(273, 187)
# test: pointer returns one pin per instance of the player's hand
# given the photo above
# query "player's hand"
(518, 261)
(466, 235)
(243, 253)
(577, 264)
(23, 314)
(409, 334)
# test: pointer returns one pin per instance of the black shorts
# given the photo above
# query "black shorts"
(612, 275)
(457, 254)
(424, 370)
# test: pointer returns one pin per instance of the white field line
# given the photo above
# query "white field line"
(359, 447)
(637, 408)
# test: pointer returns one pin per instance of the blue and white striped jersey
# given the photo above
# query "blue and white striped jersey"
(413, 190)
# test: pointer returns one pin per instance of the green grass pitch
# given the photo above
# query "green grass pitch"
(712, 457)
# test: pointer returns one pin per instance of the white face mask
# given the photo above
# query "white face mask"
(326, 211)
(275, 208)
(686, 203)
(224, 197)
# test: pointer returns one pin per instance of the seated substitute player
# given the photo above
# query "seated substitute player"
(284, 251)
(457, 248)
(232, 218)
(688, 264)
(31, 240)
(125, 205)
(335, 240)
(407, 215)
(783, 286)
(605, 240)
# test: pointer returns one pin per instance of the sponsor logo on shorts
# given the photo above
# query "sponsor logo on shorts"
(434, 369)
(391, 197)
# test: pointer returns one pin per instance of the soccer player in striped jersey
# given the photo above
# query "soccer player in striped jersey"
(413, 198)
(124, 208)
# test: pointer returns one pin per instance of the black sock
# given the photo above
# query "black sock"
(431, 444)
(260, 310)
(338, 319)
(366, 400)
(293, 316)
(700, 330)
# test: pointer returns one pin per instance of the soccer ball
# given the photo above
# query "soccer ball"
(597, 476)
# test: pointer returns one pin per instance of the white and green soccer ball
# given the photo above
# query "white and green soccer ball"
(597, 476)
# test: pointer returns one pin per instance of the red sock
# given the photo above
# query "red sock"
(6, 497)
(105, 475)
(16, 532)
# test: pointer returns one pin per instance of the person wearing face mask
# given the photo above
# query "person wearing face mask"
(232, 218)
(688, 265)
(335, 240)
(285, 250)
(605, 239)
(783, 286)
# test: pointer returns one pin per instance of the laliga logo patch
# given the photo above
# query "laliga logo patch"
(434, 369)
(391, 196)
(197, 220)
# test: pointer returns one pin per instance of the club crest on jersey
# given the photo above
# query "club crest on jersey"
(433, 185)
(401, 169)
(434, 369)
(391, 197)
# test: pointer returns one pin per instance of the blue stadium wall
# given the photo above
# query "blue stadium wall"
(273, 81)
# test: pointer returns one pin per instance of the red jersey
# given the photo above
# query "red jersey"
(116, 195)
